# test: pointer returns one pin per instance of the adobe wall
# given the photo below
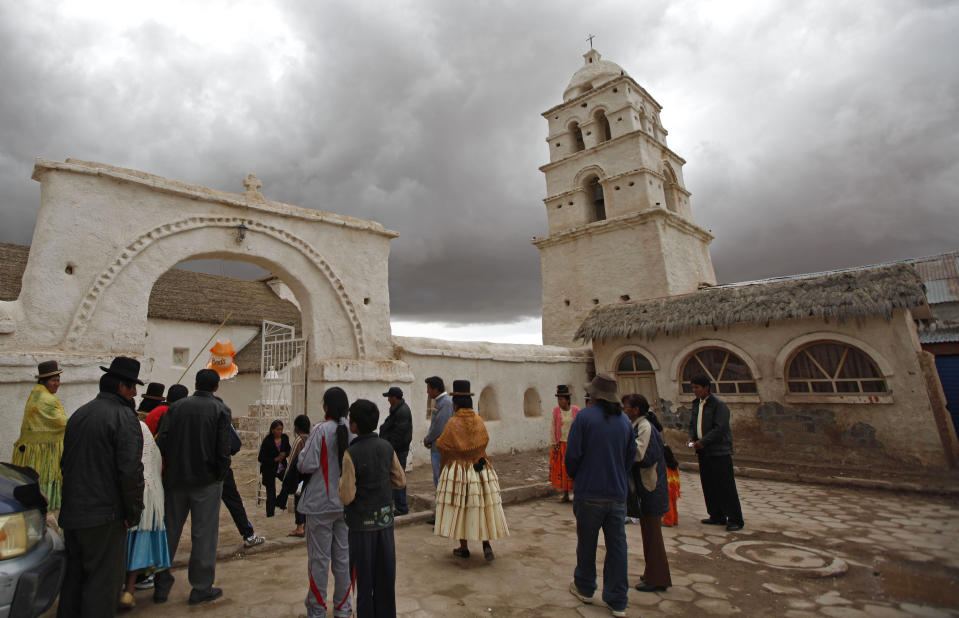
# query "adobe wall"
(899, 429)
(508, 369)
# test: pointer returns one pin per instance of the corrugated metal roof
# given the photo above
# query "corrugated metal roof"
(943, 335)
(940, 273)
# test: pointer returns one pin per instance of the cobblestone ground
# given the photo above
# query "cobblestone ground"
(806, 550)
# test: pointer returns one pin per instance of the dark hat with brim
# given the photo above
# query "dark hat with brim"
(394, 391)
(126, 368)
(562, 391)
(603, 387)
(48, 369)
(155, 391)
(461, 388)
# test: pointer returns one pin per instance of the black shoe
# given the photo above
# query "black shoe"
(162, 584)
(644, 587)
(734, 527)
(712, 522)
(205, 597)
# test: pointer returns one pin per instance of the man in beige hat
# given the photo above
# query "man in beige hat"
(599, 452)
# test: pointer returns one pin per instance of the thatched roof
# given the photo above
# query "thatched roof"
(13, 261)
(839, 296)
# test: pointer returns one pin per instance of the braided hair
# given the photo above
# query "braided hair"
(338, 406)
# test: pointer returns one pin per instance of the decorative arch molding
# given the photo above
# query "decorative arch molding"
(683, 354)
(794, 345)
(626, 349)
(581, 175)
(91, 299)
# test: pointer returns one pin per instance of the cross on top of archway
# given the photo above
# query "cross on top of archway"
(252, 184)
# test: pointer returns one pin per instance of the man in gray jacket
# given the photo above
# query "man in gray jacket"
(194, 437)
(442, 412)
(102, 492)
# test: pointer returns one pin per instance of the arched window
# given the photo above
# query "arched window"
(728, 373)
(634, 374)
(831, 367)
(669, 188)
(488, 407)
(532, 403)
(602, 126)
(595, 199)
(578, 143)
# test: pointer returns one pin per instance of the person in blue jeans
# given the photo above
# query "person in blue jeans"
(600, 450)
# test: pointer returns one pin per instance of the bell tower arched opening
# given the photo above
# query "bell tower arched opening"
(596, 200)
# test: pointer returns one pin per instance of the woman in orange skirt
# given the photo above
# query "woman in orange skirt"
(563, 415)
(672, 478)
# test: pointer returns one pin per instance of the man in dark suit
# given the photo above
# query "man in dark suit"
(711, 436)
(398, 431)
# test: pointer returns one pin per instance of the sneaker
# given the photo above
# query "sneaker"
(196, 598)
(146, 584)
(616, 612)
(579, 595)
(253, 541)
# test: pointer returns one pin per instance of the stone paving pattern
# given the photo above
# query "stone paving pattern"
(897, 554)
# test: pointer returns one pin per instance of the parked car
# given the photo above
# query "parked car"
(32, 556)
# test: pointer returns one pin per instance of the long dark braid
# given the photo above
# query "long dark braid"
(337, 407)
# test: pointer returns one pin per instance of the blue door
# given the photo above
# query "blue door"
(948, 367)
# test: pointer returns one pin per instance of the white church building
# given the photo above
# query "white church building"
(625, 269)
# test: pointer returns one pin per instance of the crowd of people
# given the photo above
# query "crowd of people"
(124, 481)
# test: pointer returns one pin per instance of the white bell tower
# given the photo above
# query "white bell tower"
(620, 226)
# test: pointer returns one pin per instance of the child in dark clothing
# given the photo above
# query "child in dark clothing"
(671, 518)
(369, 473)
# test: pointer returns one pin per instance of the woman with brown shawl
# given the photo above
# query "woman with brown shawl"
(468, 502)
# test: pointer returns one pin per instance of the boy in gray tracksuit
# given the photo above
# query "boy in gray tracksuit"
(327, 541)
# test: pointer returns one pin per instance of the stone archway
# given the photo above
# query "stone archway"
(138, 265)
(105, 234)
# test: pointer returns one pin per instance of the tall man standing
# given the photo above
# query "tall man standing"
(711, 436)
(102, 492)
(442, 411)
(397, 429)
(600, 450)
(194, 438)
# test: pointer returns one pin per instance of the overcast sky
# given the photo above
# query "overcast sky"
(817, 134)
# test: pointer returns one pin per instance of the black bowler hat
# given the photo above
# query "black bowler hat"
(461, 387)
(126, 368)
(562, 391)
(394, 391)
(155, 391)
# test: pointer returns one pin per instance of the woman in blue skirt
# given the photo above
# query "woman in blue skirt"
(147, 543)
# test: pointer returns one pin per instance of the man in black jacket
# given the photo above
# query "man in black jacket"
(397, 429)
(194, 437)
(711, 436)
(102, 492)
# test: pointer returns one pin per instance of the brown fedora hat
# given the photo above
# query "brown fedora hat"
(48, 369)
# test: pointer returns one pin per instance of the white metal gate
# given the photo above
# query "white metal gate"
(283, 365)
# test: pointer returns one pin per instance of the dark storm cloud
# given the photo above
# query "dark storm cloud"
(817, 134)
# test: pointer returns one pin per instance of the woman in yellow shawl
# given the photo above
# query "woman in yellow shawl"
(40, 445)
(468, 503)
